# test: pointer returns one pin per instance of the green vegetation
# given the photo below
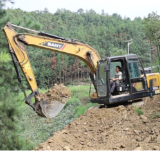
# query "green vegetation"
(80, 98)
(4, 57)
(80, 110)
(155, 115)
(4, 18)
(38, 129)
(138, 110)
(10, 104)
(106, 33)
(152, 32)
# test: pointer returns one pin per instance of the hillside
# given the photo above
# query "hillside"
(106, 33)
(119, 128)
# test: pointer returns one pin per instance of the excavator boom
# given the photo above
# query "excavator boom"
(17, 43)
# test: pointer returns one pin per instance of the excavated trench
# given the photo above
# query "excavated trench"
(118, 128)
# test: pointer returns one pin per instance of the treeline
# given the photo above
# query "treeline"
(11, 104)
(106, 33)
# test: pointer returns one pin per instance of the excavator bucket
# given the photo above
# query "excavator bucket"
(52, 108)
(49, 104)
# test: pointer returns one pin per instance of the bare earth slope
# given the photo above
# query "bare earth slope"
(116, 128)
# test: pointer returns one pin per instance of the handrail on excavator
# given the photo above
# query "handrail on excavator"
(46, 34)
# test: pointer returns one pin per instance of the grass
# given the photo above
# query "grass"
(80, 97)
(80, 110)
(79, 91)
(155, 115)
(138, 110)
(36, 130)
(73, 101)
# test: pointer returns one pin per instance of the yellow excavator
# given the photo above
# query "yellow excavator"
(135, 83)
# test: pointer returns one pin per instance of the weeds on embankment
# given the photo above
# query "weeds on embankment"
(138, 110)
(155, 115)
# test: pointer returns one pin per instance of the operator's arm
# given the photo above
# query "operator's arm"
(114, 79)
(118, 77)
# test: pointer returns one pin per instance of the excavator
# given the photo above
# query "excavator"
(135, 83)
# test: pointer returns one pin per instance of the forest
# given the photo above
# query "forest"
(105, 33)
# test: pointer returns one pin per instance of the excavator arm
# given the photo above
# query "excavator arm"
(18, 41)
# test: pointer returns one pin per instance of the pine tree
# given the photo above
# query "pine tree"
(106, 33)
(10, 102)
(3, 20)
(152, 32)
(10, 109)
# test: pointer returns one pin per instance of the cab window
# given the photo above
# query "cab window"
(101, 80)
(135, 68)
(113, 67)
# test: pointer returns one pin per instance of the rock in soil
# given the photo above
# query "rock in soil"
(66, 148)
(155, 148)
(138, 149)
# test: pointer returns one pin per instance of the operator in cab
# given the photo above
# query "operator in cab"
(118, 77)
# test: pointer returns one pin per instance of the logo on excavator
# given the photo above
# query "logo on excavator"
(54, 45)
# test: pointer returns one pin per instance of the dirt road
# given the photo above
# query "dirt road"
(118, 128)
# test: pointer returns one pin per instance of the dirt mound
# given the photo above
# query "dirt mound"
(56, 93)
(118, 128)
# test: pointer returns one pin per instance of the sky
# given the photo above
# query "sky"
(128, 8)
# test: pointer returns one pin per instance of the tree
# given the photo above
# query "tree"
(106, 33)
(117, 52)
(11, 103)
(46, 11)
(3, 20)
(80, 11)
(152, 31)
(10, 108)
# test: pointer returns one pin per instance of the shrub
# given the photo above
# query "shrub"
(138, 110)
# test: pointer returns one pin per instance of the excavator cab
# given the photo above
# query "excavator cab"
(132, 86)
